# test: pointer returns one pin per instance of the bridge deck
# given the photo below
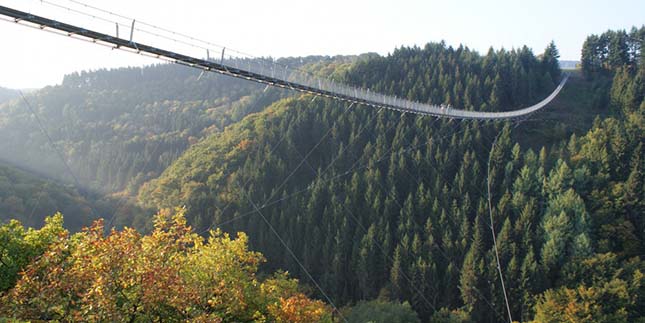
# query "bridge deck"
(314, 86)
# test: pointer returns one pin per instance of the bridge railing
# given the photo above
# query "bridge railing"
(267, 71)
(275, 70)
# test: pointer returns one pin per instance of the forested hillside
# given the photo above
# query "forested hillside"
(390, 213)
(395, 206)
(119, 128)
(29, 198)
(502, 80)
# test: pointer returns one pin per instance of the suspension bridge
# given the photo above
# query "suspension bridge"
(271, 73)
(267, 72)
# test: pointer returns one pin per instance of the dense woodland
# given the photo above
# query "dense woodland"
(394, 206)
(119, 128)
(28, 197)
(389, 212)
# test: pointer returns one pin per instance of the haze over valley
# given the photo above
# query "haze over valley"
(226, 187)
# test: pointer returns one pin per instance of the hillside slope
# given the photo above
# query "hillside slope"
(29, 198)
(395, 206)
(119, 127)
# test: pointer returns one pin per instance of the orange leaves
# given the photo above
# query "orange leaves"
(244, 144)
(298, 308)
(170, 274)
(286, 304)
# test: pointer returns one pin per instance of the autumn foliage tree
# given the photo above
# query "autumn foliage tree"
(171, 274)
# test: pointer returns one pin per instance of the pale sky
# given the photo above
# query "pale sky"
(31, 58)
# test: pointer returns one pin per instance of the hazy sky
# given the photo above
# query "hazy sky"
(30, 58)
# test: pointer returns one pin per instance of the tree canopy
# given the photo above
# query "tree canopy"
(171, 274)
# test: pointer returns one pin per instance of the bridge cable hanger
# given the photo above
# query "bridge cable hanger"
(268, 76)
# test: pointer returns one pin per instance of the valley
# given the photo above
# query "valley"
(371, 210)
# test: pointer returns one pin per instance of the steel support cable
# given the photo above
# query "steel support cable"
(333, 161)
(479, 292)
(358, 223)
(31, 214)
(386, 154)
(450, 260)
(332, 127)
(390, 150)
(208, 43)
(435, 245)
(360, 132)
(491, 221)
(53, 4)
(158, 35)
(187, 37)
(394, 197)
(301, 191)
(492, 226)
(194, 45)
(328, 88)
(300, 155)
(293, 255)
(151, 25)
(350, 170)
(420, 293)
(417, 224)
(247, 182)
(52, 144)
(526, 118)
(355, 163)
(127, 26)
(222, 210)
(366, 165)
(386, 131)
(464, 114)
(92, 41)
(124, 199)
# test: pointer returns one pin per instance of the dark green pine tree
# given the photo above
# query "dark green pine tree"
(368, 264)
(590, 58)
(550, 62)
(398, 274)
(530, 285)
(472, 270)
(618, 50)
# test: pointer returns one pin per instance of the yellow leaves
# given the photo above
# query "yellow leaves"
(601, 303)
(298, 308)
(171, 274)
(279, 286)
